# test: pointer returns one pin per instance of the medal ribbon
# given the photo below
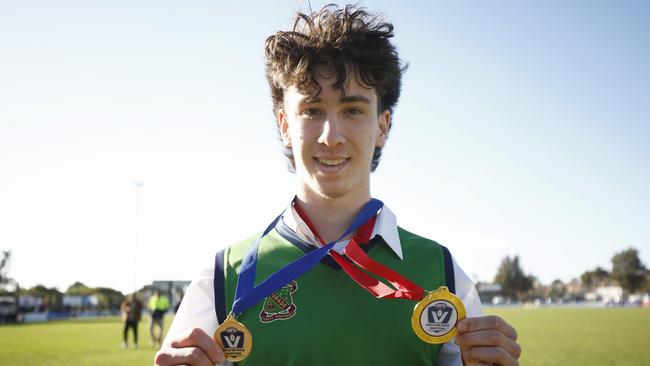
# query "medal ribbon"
(405, 288)
(247, 294)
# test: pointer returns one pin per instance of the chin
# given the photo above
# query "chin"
(330, 192)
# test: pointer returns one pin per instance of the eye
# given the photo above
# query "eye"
(311, 112)
(353, 111)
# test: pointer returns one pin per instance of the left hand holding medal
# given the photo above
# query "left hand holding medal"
(488, 340)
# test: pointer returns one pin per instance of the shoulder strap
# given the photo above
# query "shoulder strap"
(450, 279)
(219, 287)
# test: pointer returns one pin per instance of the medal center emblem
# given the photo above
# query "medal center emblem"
(438, 318)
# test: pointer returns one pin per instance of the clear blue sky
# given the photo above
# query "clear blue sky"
(523, 129)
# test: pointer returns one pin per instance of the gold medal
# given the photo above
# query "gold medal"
(435, 317)
(234, 338)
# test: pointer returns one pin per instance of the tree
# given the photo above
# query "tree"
(596, 278)
(4, 268)
(108, 298)
(646, 283)
(514, 283)
(537, 290)
(78, 288)
(628, 270)
(557, 289)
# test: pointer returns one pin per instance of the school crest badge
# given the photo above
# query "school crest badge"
(279, 305)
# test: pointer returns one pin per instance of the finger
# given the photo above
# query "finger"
(488, 338)
(191, 356)
(197, 337)
(487, 355)
(487, 322)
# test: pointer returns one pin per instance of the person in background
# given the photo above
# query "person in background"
(158, 306)
(178, 298)
(131, 309)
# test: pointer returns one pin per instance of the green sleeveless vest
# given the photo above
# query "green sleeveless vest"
(325, 318)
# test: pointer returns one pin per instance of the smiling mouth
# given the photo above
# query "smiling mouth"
(331, 166)
(331, 162)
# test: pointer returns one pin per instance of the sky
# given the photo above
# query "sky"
(137, 138)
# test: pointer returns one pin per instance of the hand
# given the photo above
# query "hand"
(487, 340)
(195, 348)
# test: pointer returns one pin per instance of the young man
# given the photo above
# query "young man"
(335, 80)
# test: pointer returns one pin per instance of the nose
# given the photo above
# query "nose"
(332, 133)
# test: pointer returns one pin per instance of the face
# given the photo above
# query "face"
(333, 138)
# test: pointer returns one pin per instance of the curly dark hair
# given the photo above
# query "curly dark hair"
(341, 40)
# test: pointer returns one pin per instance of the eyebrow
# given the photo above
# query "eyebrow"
(345, 99)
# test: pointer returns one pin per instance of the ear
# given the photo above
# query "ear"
(283, 126)
(384, 126)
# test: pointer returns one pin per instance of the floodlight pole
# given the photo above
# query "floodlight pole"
(138, 187)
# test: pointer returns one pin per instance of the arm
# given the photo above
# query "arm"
(189, 339)
(124, 309)
(482, 340)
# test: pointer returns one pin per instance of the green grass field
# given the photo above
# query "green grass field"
(577, 336)
(74, 343)
(553, 336)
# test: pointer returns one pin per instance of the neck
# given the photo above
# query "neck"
(330, 216)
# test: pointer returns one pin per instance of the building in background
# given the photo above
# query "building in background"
(489, 293)
(80, 301)
(8, 309)
(606, 294)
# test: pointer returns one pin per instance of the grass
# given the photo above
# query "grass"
(549, 336)
(74, 342)
(578, 336)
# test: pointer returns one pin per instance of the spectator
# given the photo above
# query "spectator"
(158, 306)
(131, 309)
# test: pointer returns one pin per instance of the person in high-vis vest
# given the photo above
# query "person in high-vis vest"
(158, 306)
(335, 80)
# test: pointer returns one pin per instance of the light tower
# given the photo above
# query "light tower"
(136, 247)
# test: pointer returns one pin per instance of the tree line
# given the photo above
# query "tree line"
(107, 298)
(628, 272)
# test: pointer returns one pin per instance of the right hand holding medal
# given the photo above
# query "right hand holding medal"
(195, 348)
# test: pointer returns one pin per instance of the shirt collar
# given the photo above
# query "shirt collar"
(385, 226)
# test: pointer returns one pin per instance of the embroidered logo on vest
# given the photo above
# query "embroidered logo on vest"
(279, 305)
